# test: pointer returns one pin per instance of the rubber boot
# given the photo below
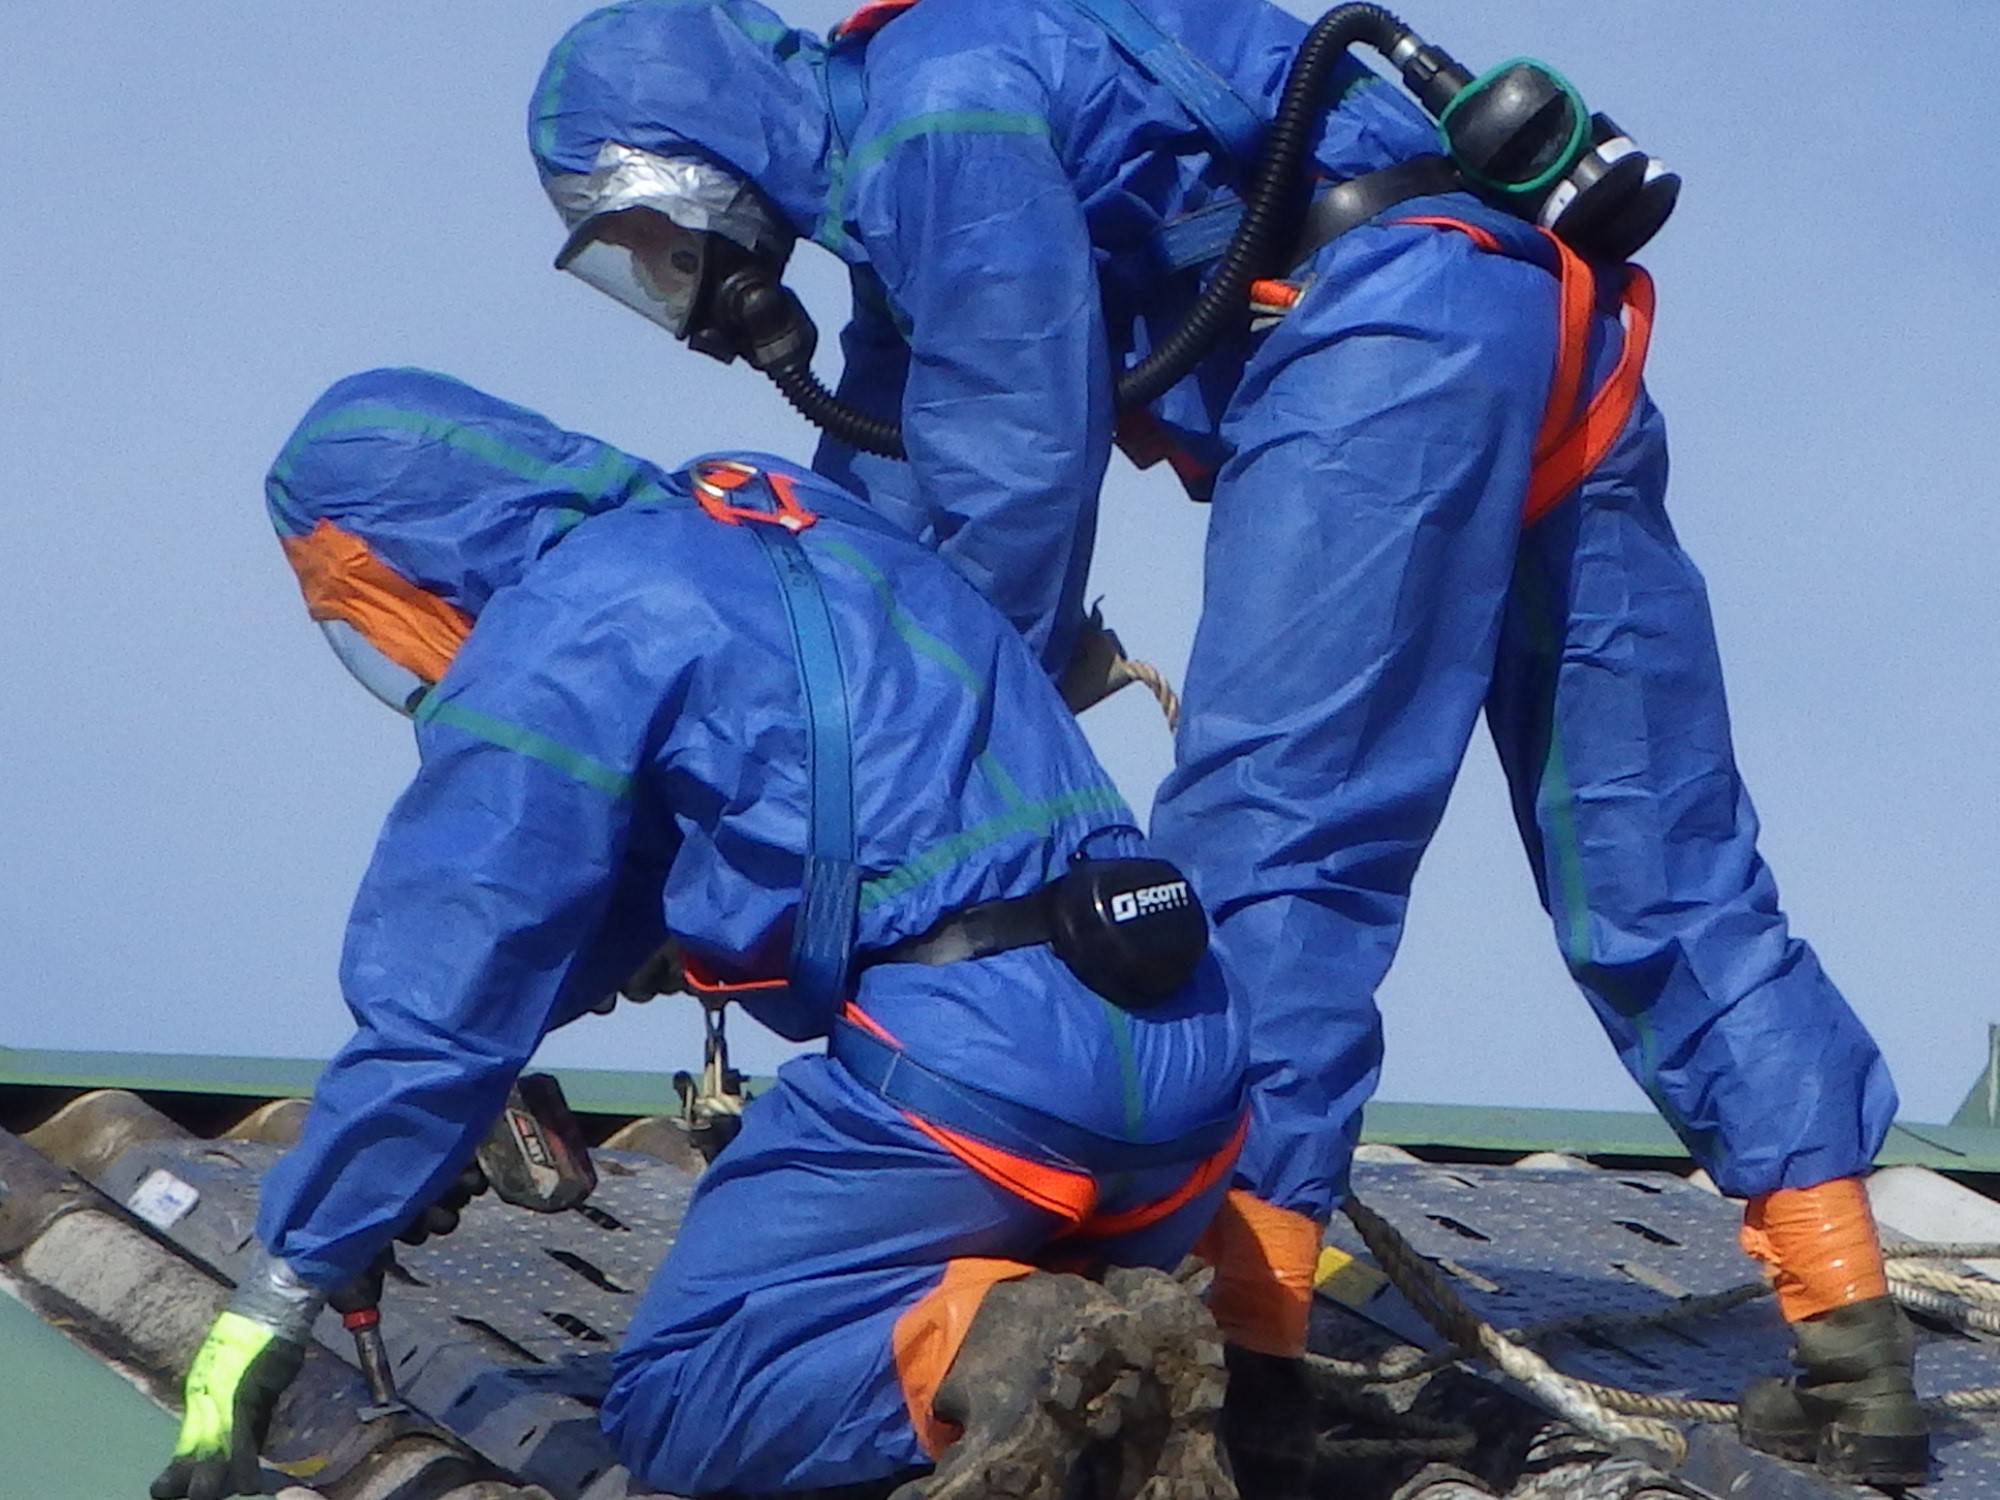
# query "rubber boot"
(1271, 1422)
(1852, 1410)
(1049, 1365)
(1181, 1458)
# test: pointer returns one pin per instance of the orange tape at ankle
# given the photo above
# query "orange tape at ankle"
(1264, 1260)
(1818, 1245)
(927, 1338)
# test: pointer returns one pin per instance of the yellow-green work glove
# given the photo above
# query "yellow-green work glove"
(231, 1392)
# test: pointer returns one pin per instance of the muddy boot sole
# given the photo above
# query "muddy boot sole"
(1773, 1419)
(1893, 1461)
(1092, 1381)
(1187, 1365)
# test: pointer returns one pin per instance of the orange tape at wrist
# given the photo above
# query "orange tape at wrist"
(1818, 1245)
(1264, 1260)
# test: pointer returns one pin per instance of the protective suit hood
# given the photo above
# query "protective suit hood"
(456, 491)
(406, 500)
(724, 79)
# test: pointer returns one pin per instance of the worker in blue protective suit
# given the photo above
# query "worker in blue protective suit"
(642, 702)
(1438, 489)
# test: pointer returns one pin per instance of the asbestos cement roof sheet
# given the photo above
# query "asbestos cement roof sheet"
(631, 1094)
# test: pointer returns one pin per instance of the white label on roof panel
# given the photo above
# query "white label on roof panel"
(163, 1200)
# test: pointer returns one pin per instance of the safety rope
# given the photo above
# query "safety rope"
(1162, 690)
(1412, 1436)
(1411, 1364)
(1942, 1306)
(1575, 1401)
(1965, 1288)
(1919, 1250)
(1612, 1414)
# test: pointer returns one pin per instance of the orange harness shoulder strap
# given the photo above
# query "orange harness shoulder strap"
(869, 19)
(1584, 443)
(1569, 446)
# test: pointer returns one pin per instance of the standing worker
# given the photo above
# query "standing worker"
(734, 706)
(1438, 488)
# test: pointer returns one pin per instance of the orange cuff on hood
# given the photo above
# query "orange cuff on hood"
(1264, 1261)
(342, 579)
(1818, 1245)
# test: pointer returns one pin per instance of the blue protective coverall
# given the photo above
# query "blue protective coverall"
(1369, 586)
(617, 752)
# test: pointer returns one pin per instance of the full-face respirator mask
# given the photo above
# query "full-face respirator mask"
(693, 248)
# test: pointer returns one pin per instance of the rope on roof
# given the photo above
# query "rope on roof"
(1612, 1414)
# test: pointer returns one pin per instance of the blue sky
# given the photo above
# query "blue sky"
(207, 220)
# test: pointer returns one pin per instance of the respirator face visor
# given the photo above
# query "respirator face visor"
(643, 259)
(652, 231)
(394, 685)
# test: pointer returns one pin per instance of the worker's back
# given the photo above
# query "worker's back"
(632, 658)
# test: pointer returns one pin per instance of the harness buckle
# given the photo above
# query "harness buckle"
(716, 480)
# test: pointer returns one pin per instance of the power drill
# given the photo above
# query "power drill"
(535, 1157)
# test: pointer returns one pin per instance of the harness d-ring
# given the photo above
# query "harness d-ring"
(719, 478)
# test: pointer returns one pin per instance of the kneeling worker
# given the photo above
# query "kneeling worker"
(735, 706)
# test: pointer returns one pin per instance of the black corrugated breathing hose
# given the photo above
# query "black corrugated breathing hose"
(1273, 205)
(1272, 210)
(818, 405)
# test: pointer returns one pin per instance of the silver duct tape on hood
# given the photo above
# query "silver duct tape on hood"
(694, 193)
(642, 226)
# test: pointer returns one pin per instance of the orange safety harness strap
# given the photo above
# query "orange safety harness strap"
(1206, 1174)
(1589, 440)
(869, 19)
(704, 985)
(1141, 438)
(1569, 447)
(1068, 1194)
(715, 480)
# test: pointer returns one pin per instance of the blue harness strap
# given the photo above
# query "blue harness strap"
(1014, 1128)
(830, 892)
(846, 88)
(1224, 113)
(830, 886)
(1194, 239)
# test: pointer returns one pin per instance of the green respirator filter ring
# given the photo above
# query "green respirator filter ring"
(1573, 150)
